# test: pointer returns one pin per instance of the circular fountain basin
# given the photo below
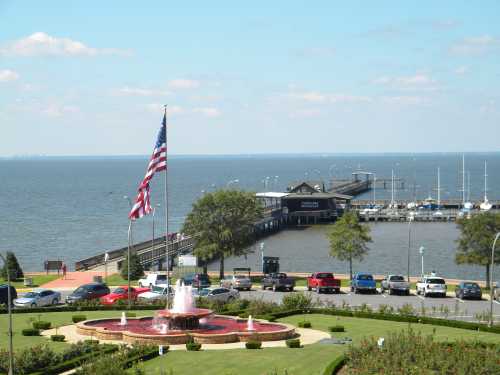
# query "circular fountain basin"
(214, 329)
(187, 320)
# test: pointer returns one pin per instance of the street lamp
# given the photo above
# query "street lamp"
(9, 309)
(421, 251)
(129, 297)
(410, 219)
(491, 277)
(262, 255)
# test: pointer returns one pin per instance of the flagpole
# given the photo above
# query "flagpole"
(166, 211)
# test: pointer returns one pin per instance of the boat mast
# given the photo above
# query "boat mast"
(463, 180)
(439, 189)
(392, 188)
(485, 181)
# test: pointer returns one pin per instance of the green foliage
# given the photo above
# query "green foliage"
(407, 309)
(193, 346)
(348, 239)
(336, 328)
(223, 222)
(13, 266)
(58, 338)
(293, 343)
(40, 324)
(253, 344)
(305, 324)
(409, 353)
(297, 301)
(130, 314)
(30, 332)
(476, 239)
(78, 318)
(136, 269)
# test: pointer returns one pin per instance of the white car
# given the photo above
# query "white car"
(217, 294)
(432, 285)
(152, 279)
(38, 298)
(157, 292)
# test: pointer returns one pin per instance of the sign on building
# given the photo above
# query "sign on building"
(187, 261)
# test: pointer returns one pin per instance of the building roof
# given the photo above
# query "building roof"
(271, 194)
(318, 195)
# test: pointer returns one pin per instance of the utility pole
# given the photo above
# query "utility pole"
(9, 311)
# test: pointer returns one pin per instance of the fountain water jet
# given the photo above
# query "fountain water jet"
(250, 326)
(123, 320)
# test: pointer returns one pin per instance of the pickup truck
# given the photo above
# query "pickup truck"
(277, 281)
(363, 282)
(431, 285)
(395, 284)
(152, 279)
(323, 281)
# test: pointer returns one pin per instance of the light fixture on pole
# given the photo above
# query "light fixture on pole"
(9, 311)
(421, 251)
(491, 276)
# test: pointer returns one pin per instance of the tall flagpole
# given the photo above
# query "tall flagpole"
(166, 211)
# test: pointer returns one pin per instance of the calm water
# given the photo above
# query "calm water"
(74, 208)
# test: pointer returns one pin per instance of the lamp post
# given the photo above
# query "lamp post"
(9, 310)
(262, 255)
(421, 251)
(129, 297)
(491, 277)
(410, 219)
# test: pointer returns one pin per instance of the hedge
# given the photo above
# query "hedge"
(30, 332)
(40, 324)
(336, 328)
(153, 353)
(78, 318)
(253, 344)
(193, 346)
(335, 366)
(58, 338)
(293, 343)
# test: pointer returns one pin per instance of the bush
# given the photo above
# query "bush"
(253, 344)
(58, 338)
(136, 269)
(293, 343)
(261, 307)
(13, 266)
(40, 324)
(29, 360)
(193, 346)
(30, 332)
(78, 318)
(337, 328)
(297, 301)
(305, 324)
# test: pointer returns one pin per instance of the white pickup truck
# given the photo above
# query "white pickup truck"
(395, 284)
(152, 279)
(431, 285)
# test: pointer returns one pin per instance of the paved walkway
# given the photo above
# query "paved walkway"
(73, 280)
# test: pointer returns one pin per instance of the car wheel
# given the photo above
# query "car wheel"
(33, 305)
(391, 292)
(274, 287)
(355, 290)
(337, 291)
(263, 287)
(318, 290)
(407, 292)
(291, 289)
(55, 301)
(140, 285)
(309, 288)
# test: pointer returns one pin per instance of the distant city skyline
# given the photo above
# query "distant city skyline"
(91, 78)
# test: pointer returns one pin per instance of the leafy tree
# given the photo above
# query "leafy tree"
(223, 223)
(348, 239)
(15, 269)
(136, 269)
(475, 241)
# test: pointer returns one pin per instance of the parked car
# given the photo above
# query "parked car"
(363, 282)
(157, 293)
(466, 289)
(197, 280)
(431, 285)
(240, 282)
(87, 292)
(277, 281)
(217, 294)
(38, 298)
(323, 281)
(395, 284)
(496, 291)
(121, 294)
(152, 279)
(4, 291)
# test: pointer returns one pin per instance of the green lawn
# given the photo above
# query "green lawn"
(310, 360)
(38, 280)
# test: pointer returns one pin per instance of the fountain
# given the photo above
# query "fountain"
(123, 319)
(250, 326)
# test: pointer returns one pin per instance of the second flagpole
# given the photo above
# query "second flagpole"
(166, 212)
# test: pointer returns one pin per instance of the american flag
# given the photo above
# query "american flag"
(157, 163)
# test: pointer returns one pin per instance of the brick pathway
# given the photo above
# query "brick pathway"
(73, 280)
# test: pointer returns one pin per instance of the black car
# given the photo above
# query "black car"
(87, 292)
(197, 280)
(4, 289)
(466, 289)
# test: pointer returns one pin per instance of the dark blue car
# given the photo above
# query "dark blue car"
(363, 282)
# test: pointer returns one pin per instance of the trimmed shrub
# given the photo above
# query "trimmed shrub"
(40, 324)
(297, 301)
(193, 346)
(253, 344)
(334, 366)
(293, 343)
(30, 332)
(305, 324)
(58, 338)
(336, 328)
(78, 318)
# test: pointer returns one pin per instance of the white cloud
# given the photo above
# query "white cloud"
(56, 110)
(207, 111)
(461, 70)
(137, 91)
(317, 97)
(183, 84)
(419, 81)
(42, 44)
(7, 75)
(477, 45)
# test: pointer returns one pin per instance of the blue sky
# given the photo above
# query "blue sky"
(90, 78)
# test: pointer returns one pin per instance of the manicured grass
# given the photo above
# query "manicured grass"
(310, 360)
(116, 280)
(21, 321)
(38, 280)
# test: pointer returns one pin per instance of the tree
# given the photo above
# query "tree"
(136, 269)
(224, 224)
(15, 269)
(475, 241)
(348, 239)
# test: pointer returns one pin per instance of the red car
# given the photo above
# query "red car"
(323, 281)
(121, 293)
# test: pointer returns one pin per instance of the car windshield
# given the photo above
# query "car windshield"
(397, 278)
(281, 275)
(161, 277)
(324, 276)
(471, 285)
(157, 289)
(82, 289)
(365, 277)
(435, 281)
(202, 292)
(240, 277)
(119, 291)
(31, 295)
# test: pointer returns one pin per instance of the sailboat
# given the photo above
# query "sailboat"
(438, 206)
(486, 205)
(466, 206)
